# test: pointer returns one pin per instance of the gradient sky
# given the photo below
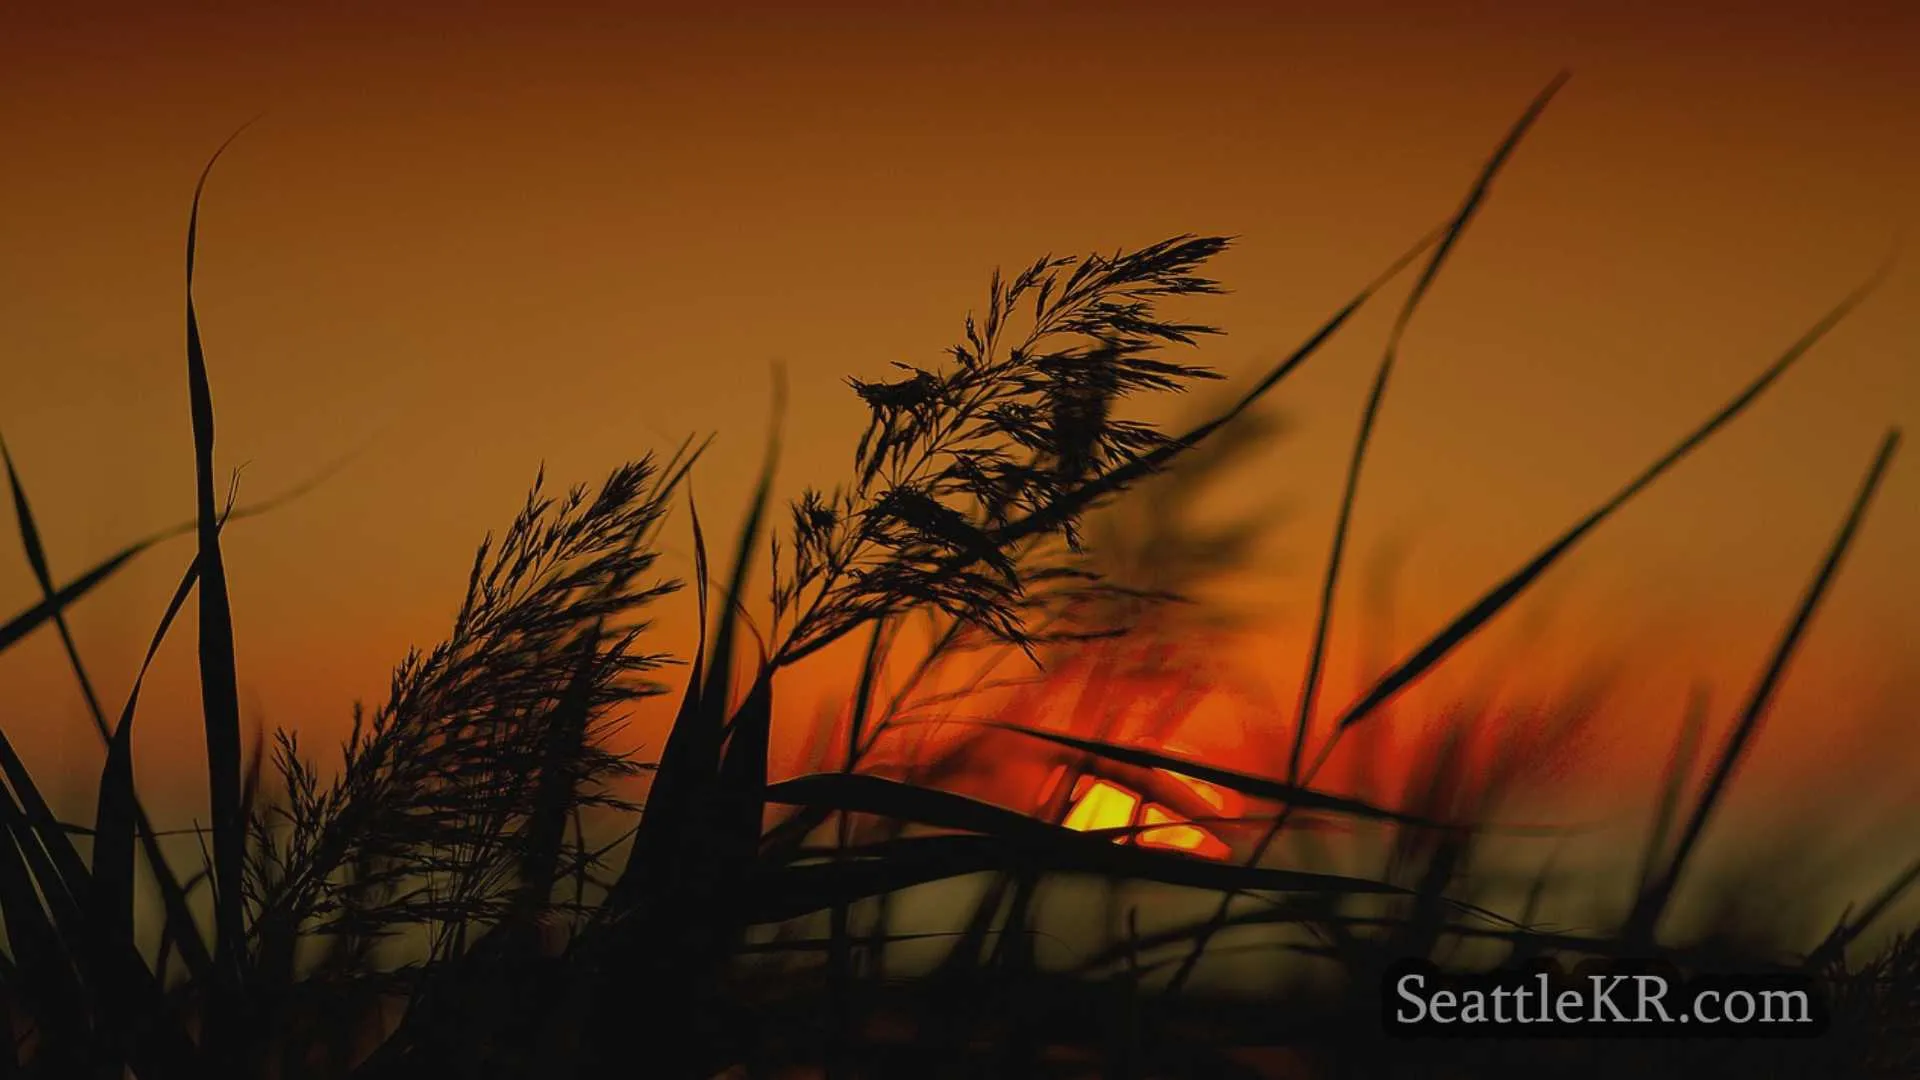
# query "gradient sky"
(462, 244)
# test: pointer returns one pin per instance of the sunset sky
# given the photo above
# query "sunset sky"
(459, 244)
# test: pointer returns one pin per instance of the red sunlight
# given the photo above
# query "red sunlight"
(1117, 693)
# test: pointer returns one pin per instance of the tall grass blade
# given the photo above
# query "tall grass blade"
(739, 790)
(1500, 596)
(1323, 618)
(686, 756)
(1645, 920)
(219, 690)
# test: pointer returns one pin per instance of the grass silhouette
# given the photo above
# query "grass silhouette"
(433, 904)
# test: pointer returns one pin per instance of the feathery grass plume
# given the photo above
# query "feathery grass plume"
(1018, 424)
(440, 818)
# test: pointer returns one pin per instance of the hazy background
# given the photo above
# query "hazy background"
(462, 242)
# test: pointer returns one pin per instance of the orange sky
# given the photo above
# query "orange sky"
(462, 245)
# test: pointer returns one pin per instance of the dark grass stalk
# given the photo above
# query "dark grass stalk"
(1644, 922)
(219, 693)
(742, 781)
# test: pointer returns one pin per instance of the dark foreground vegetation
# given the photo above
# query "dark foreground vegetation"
(433, 903)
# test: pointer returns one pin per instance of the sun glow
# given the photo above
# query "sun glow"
(1099, 804)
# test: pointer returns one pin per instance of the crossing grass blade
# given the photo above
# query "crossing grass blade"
(179, 921)
(56, 601)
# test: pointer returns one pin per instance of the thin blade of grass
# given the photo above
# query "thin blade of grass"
(1502, 595)
(1645, 920)
(1323, 619)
